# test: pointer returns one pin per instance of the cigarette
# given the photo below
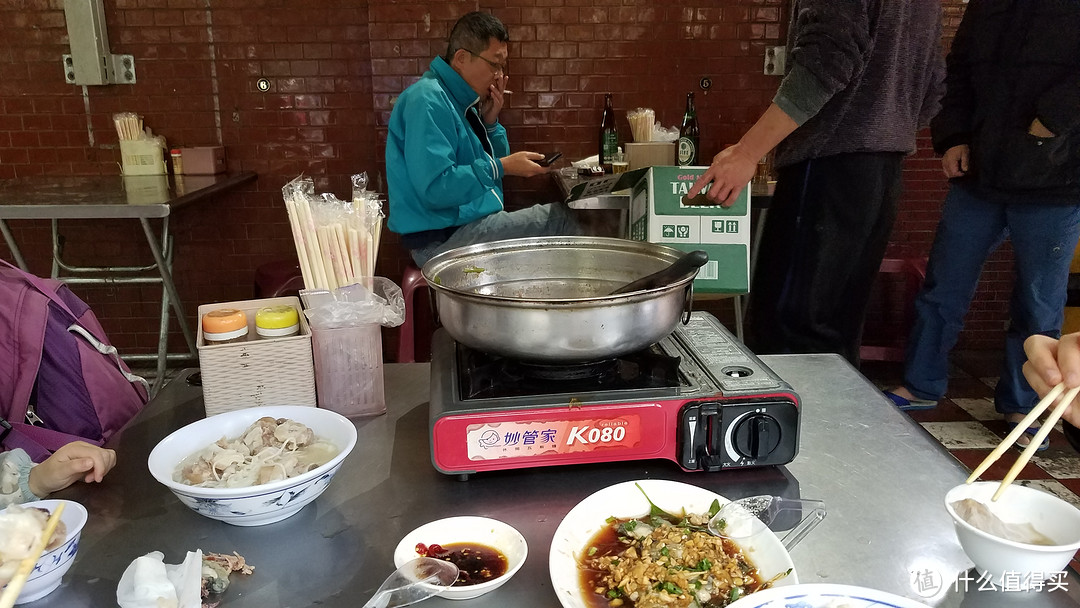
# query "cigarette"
(505, 92)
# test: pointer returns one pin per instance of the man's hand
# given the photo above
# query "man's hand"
(729, 173)
(956, 160)
(1051, 362)
(1039, 130)
(522, 164)
(72, 462)
(490, 107)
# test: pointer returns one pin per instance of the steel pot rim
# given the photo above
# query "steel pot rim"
(434, 265)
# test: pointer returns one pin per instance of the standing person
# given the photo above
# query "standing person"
(1009, 133)
(446, 153)
(863, 76)
(1051, 362)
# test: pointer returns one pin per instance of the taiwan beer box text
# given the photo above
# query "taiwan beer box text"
(657, 214)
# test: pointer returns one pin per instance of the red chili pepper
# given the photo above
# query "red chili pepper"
(434, 550)
(421, 549)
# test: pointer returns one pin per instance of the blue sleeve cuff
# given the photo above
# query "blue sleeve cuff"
(20, 460)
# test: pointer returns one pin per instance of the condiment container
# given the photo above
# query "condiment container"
(277, 321)
(225, 326)
(177, 161)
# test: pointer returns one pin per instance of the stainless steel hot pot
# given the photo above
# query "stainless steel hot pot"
(545, 299)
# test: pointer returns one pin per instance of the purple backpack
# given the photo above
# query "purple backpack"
(60, 380)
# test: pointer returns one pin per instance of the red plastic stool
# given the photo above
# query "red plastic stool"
(914, 272)
(411, 280)
(276, 279)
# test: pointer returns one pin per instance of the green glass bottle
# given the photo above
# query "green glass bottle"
(689, 135)
(609, 135)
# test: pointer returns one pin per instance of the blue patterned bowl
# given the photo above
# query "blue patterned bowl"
(253, 505)
(52, 565)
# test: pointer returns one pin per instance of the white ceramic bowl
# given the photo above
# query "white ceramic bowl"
(626, 499)
(254, 505)
(467, 529)
(1025, 564)
(52, 566)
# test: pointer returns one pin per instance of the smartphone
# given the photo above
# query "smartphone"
(546, 162)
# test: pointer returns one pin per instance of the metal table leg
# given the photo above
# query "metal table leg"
(167, 282)
(15, 253)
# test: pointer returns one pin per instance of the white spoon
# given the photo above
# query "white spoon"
(752, 515)
(414, 581)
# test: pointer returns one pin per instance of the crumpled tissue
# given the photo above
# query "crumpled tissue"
(149, 582)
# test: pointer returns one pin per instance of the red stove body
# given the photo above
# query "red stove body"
(698, 398)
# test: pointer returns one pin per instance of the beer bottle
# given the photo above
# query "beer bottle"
(689, 136)
(609, 135)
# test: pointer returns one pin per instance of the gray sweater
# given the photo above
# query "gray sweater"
(863, 76)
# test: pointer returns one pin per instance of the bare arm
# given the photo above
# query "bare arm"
(733, 168)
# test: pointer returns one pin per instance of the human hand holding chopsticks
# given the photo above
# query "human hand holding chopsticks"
(1051, 363)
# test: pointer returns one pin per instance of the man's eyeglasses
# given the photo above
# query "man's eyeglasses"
(499, 68)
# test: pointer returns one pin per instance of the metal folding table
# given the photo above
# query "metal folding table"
(882, 476)
(143, 197)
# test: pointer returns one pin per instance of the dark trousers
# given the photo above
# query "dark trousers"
(827, 230)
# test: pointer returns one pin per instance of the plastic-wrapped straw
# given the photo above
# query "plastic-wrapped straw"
(336, 241)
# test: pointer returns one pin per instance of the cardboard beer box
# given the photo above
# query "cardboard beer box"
(659, 214)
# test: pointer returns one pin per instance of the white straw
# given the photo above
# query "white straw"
(301, 247)
(311, 240)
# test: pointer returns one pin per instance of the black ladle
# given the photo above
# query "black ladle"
(662, 278)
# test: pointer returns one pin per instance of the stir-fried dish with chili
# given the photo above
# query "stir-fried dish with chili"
(666, 560)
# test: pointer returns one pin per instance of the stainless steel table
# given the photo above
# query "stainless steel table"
(882, 477)
(141, 197)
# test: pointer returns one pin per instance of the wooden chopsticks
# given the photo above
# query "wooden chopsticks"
(26, 566)
(1036, 441)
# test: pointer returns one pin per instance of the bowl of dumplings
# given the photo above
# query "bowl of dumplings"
(253, 466)
(20, 526)
(1018, 541)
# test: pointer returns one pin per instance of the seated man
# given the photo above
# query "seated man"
(446, 153)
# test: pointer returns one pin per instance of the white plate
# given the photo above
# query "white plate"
(824, 595)
(626, 500)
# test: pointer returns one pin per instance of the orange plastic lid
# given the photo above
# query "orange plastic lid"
(225, 320)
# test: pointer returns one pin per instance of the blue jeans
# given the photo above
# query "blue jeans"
(539, 220)
(1043, 239)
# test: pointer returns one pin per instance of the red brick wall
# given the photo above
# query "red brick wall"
(335, 67)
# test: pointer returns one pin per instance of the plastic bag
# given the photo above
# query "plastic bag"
(356, 305)
(661, 133)
(148, 582)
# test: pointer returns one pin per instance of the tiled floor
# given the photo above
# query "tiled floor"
(965, 422)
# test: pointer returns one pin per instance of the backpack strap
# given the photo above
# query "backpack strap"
(108, 350)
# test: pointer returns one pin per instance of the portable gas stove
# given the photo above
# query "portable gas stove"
(698, 397)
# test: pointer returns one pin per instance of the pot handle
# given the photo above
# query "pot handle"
(688, 303)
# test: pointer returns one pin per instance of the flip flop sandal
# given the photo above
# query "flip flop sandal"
(1031, 431)
(910, 405)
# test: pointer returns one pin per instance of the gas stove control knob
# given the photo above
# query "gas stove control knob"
(756, 436)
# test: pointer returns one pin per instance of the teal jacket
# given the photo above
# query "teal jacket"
(438, 171)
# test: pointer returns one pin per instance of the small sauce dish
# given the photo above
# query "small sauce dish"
(480, 532)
